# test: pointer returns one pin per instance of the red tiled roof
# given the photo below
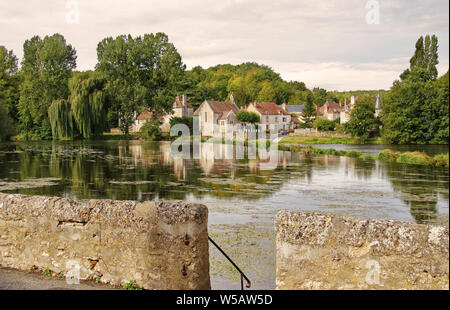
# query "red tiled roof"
(269, 108)
(220, 107)
(330, 107)
(146, 114)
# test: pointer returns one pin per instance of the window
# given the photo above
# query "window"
(284, 119)
(206, 117)
(267, 119)
(276, 119)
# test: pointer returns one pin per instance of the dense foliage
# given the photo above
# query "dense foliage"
(322, 124)
(144, 71)
(46, 99)
(416, 109)
(188, 121)
(6, 123)
(150, 130)
(61, 119)
(9, 81)
(363, 123)
(89, 102)
(46, 68)
(309, 112)
(247, 117)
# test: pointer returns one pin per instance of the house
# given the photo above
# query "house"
(347, 109)
(330, 110)
(296, 111)
(216, 115)
(180, 108)
(272, 117)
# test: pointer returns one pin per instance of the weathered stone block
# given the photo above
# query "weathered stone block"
(160, 245)
(326, 251)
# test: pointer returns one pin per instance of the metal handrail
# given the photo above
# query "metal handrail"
(249, 283)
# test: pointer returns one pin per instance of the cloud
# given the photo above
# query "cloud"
(323, 43)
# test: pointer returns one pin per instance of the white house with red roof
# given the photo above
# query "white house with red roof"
(216, 116)
(272, 116)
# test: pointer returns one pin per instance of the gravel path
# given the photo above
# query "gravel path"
(19, 280)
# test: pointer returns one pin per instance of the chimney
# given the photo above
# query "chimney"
(340, 103)
(352, 100)
(283, 106)
(184, 99)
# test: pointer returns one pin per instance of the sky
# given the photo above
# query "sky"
(333, 44)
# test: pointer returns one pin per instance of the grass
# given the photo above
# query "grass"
(131, 286)
(414, 158)
(327, 140)
(47, 272)
(410, 158)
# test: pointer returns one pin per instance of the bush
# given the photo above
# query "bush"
(387, 155)
(151, 131)
(441, 160)
(247, 117)
(415, 158)
(188, 121)
(322, 124)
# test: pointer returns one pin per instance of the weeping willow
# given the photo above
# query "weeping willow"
(88, 98)
(61, 120)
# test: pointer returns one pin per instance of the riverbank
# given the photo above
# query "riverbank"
(327, 140)
(412, 158)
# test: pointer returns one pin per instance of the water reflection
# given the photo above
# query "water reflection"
(143, 171)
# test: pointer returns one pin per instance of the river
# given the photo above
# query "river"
(242, 195)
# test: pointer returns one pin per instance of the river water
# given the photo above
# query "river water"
(243, 196)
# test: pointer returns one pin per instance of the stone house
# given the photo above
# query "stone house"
(180, 108)
(216, 116)
(272, 117)
(330, 110)
(296, 111)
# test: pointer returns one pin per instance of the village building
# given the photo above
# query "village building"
(180, 108)
(296, 112)
(216, 116)
(330, 110)
(347, 109)
(272, 117)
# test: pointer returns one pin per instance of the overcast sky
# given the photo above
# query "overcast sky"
(322, 43)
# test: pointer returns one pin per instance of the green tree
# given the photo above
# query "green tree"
(61, 119)
(425, 57)
(9, 81)
(309, 112)
(151, 130)
(363, 122)
(267, 93)
(145, 71)
(7, 128)
(89, 102)
(188, 121)
(247, 117)
(416, 108)
(238, 87)
(46, 68)
(323, 124)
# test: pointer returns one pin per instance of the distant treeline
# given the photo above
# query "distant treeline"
(45, 98)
